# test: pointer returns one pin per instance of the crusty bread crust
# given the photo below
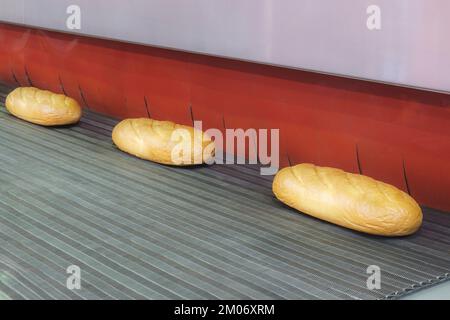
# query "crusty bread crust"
(43, 107)
(153, 140)
(350, 200)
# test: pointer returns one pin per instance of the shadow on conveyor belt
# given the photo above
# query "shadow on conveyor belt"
(142, 230)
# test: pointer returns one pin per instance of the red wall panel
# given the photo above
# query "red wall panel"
(397, 135)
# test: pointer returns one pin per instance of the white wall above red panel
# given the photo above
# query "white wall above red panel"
(402, 42)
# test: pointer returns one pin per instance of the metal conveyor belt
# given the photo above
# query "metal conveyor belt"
(142, 230)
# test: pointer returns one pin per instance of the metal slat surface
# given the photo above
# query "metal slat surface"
(142, 230)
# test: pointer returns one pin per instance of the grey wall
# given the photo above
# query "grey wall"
(412, 47)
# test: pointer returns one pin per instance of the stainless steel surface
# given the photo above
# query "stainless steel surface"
(437, 292)
(411, 49)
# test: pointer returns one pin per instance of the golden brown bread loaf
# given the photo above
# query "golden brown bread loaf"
(43, 107)
(163, 141)
(349, 200)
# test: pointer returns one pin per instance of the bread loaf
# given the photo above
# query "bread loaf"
(163, 141)
(349, 200)
(43, 107)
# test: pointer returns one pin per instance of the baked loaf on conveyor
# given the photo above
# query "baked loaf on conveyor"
(43, 107)
(349, 200)
(163, 141)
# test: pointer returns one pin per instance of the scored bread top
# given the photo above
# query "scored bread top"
(350, 200)
(43, 107)
(153, 140)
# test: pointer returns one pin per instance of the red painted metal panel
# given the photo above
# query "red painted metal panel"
(397, 135)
